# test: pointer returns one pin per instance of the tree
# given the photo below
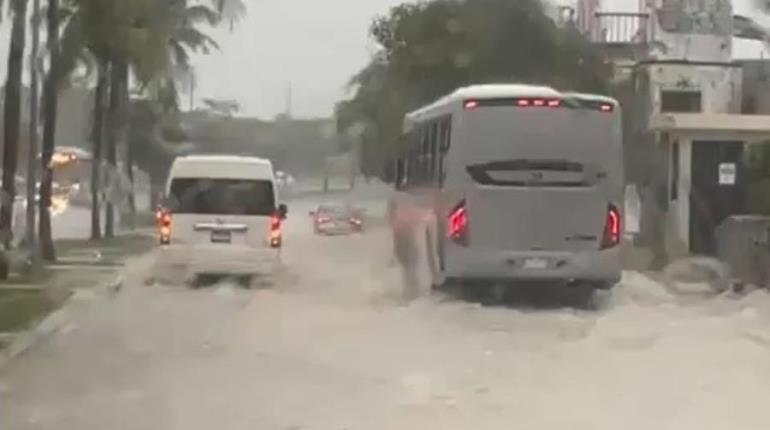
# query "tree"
(430, 48)
(33, 130)
(149, 38)
(153, 134)
(97, 139)
(12, 121)
(51, 97)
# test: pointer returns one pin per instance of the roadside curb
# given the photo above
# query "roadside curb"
(50, 325)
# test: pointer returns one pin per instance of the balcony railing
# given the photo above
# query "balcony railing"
(619, 28)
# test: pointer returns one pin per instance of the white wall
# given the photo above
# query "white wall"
(720, 86)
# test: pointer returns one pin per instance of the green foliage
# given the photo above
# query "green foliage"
(430, 48)
(152, 137)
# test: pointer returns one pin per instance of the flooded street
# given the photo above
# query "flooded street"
(329, 347)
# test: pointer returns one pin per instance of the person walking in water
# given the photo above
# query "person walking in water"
(404, 249)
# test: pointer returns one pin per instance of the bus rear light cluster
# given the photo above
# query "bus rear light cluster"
(612, 228)
(458, 224)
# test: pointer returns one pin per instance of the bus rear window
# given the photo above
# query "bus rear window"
(536, 173)
(222, 196)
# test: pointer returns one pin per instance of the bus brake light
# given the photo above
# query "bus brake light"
(458, 225)
(612, 228)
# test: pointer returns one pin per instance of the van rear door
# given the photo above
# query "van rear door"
(229, 211)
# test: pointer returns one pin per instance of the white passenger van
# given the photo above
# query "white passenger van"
(221, 216)
(515, 183)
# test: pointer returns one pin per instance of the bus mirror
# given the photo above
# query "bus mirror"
(283, 211)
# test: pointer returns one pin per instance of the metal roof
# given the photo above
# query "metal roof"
(490, 91)
(712, 125)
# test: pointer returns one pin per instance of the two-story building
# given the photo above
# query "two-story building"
(685, 128)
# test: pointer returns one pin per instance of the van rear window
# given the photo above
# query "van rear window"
(221, 196)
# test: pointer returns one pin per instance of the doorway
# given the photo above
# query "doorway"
(718, 179)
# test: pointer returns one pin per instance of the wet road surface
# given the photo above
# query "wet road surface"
(330, 347)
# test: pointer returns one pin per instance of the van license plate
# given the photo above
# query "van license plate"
(220, 237)
(535, 263)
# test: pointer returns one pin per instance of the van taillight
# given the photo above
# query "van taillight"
(275, 232)
(612, 228)
(164, 226)
(458, 224)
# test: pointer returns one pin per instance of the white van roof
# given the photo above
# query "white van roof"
(222, 166)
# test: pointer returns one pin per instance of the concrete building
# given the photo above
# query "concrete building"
(686, 125)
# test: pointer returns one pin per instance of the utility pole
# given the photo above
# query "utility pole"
(192, 91)
(289, 101)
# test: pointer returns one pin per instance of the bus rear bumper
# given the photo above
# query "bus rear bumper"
(602, 268)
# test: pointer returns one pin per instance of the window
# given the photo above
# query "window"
(446, 141)
(222, 196)
(423, 164)
(680, 101)
(432, 151)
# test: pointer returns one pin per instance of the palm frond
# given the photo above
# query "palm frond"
(181, 56)
(196, 40)
(201, 13)
(72, 45)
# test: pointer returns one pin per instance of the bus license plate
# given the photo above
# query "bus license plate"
(220, 237)
(536, 263)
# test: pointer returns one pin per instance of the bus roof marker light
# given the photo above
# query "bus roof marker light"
(523, 102)
(554, 103)
(471, 104)
(606, 107)
(538, 102)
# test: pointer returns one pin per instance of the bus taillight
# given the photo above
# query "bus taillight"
(458, 225)
(612, 228)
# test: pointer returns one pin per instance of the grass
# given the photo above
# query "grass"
(115, 248)
(20, 309)
(22, 304)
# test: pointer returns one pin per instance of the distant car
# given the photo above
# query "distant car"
(337, 220)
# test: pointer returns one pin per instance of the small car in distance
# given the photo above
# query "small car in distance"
(337, 220)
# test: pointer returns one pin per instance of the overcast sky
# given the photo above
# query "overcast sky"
(312, 45)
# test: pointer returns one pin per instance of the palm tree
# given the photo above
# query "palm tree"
(12, 121)
(97, 139)
(152, 39)
(51, 98)
(33, 132)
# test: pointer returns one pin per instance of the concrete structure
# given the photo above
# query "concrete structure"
(687, 123)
